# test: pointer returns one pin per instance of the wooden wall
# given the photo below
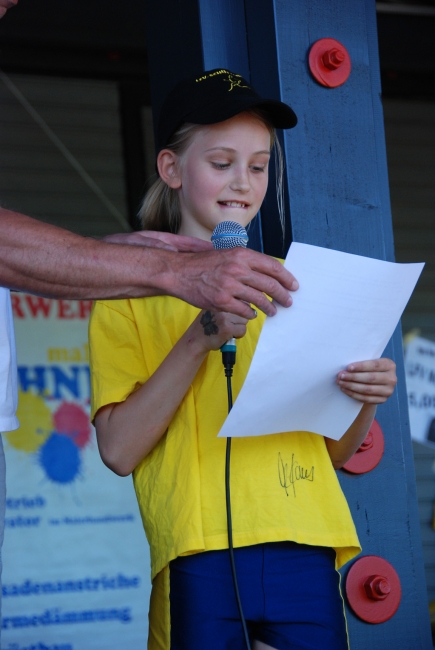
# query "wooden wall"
(410, 139)
(410, 136)
(36, 179)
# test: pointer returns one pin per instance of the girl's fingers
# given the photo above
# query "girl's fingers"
(368, 389)
(232, 324)
(368, 393)
(214, 328)
(365, 398)
(236, 330)
(375, 365)
(368, 377)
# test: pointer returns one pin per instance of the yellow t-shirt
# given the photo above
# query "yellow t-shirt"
(283, 486)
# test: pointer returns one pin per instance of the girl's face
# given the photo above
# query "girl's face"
(223, 174)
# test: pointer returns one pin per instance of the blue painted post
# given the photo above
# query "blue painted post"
(338, 188)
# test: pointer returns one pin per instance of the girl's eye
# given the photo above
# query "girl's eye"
(258, 169)
(218, 165)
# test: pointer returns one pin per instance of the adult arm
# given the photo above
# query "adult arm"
(129, 430)
(47, 260)
(369, 382)
(5, 5)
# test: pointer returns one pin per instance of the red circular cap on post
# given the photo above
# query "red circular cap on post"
(373, 589)
(329, 62)
(370, 452)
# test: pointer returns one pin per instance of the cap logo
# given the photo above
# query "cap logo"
(235, 80)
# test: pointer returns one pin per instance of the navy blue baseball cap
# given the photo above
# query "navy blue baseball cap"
(215, 96)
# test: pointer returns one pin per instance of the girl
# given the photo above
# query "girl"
(159, 400)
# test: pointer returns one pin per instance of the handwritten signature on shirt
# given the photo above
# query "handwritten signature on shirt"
(290, 474)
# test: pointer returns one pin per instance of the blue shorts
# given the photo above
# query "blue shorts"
(290, 596)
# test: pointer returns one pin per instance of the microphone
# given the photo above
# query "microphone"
(229, 234)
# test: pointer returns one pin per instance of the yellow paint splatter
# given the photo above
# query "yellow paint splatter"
(36, 423)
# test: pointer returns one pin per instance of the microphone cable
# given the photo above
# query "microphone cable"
(229, 359)
(230, 234)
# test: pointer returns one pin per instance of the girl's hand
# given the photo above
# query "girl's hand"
(370, 382)
(210, 329)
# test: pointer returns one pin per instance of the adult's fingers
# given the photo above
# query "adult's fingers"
(236, 297)
(256, 275)
(138, 239)
(272, 269)
(247, 296)
(229, 280)
(257, 289)
(5, 5)
(163, 240)
(178, 242)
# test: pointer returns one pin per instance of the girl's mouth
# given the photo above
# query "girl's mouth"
(234, 204)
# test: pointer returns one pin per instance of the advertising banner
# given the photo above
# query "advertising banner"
(420, 385)
(76, 570)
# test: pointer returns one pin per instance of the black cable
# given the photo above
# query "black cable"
(228, 364)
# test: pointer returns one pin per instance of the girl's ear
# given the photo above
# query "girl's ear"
(167, 164)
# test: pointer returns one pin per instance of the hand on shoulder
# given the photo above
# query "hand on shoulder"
(154, 239)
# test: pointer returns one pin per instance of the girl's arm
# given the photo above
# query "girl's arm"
(128, 431)
(370, 382)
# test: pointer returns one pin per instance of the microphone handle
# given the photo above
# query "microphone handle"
(229, 354)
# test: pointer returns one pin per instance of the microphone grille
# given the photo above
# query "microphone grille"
(229, 234)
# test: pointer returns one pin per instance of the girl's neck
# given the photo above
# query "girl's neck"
(194, 229)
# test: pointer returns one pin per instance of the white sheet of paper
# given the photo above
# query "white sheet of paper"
(345, 310)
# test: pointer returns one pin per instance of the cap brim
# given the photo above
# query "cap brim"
(279, 114)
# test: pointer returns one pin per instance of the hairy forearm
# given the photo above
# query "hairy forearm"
(341, 450)
(128, 431)
(46, 260)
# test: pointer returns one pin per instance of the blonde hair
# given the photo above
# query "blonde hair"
(161, 210)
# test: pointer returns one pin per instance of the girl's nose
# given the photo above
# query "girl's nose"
(240, 182)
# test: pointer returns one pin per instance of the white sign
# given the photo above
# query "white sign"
(345, 310)
(420, 384)
(76, 570)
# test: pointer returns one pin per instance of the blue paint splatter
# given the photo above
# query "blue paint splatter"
(60, 458)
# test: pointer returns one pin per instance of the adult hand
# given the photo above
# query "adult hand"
(370, 382)
(230, 280)
(5, 5)
(166, 240)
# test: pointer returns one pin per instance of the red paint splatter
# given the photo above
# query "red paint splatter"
(71, 420)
